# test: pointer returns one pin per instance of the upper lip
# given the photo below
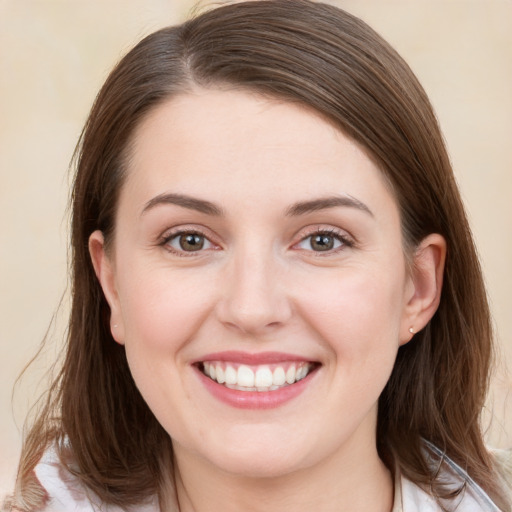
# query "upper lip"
(249, 358)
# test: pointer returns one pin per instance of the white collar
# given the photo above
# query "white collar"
(410, 497)
(66, 492)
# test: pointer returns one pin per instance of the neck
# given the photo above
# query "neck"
(358, 482)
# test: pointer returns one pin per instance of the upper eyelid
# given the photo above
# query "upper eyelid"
(300, 235)
(169, 235)
(179, 230)
(319, 229)
(346, 239)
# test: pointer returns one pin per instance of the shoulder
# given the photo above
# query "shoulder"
(416, 499)
(503, 460)
(454, 478)
(66, 493)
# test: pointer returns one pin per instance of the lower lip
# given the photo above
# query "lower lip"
(255, 399)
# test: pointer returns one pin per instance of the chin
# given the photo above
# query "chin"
(261, 467)
(267, 457)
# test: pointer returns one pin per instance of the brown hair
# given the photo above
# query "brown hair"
(321, 57)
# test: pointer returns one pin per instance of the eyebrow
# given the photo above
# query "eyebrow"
(184, 201)
(323, 203)
(297, 209)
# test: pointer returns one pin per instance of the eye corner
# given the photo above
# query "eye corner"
(187, 242)
(323, 241)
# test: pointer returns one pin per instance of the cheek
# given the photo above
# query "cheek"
(162, 313)
(357, 312)
(162, 309)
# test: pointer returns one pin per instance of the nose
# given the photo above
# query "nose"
(254, 296)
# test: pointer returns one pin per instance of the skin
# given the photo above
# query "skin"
(260, 285)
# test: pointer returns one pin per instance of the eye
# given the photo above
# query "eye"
(188, 241)
(322, 241)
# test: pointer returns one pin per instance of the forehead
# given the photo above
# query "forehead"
(220, 143)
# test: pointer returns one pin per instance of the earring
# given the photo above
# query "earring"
(411, 330)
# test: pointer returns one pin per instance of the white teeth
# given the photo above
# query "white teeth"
(230, 375)
(245, 376)
(261, 378)
(278, 377)
(290, 374)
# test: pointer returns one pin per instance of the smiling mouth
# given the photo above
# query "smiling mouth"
(268, 377)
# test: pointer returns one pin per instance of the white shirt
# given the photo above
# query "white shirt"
(67, 494)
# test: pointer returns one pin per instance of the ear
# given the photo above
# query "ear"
(104, 269)
(424, 285)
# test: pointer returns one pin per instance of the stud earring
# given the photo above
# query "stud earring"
(411, 330)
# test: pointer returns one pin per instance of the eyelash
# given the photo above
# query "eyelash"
(168, 238)
(343, 239)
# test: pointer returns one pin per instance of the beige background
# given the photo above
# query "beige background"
(54, 55)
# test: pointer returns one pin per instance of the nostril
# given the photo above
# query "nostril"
(252, 314)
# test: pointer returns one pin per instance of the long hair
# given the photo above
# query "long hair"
(324, 59)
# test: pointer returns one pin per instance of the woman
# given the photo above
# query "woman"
(276, 298)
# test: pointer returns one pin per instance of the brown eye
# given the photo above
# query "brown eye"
(191, 242)
(322, 242)
(188, 242)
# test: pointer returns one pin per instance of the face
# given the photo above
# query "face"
(258, 282)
